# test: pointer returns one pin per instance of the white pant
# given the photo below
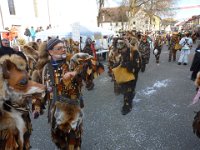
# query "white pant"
(184, 56)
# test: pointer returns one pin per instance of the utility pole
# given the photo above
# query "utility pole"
(1, 17)
(48, 12)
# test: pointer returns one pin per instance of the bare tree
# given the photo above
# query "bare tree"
(151, 7)
(100, 4)
(158, 7)
(155, 6)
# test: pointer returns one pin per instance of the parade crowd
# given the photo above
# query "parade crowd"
(65, 68)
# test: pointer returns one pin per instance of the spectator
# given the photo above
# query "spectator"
(5, 43)
(27, 33)
(195, 67)
(33, 32)
(38, 41)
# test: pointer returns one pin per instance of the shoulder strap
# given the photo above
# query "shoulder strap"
(55, 93)
(186, 42)
(51, 73)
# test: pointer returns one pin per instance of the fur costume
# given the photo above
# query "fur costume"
(42, 61)
(65, 98)
(15, 123)
(131, 61)
(32, 58)
(34, 45)
(30, 52)
(172, 51)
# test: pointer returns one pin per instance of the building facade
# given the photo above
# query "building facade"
(120, 18)
(142, 22)
(26, 13)
(114, 19)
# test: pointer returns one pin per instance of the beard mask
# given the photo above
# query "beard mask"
(59, 57)
(120, 45)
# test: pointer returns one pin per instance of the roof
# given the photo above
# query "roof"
(180, 23)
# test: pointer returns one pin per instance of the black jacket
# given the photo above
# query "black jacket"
(6, 51)
(196, 62)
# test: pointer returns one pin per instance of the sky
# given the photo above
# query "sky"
(85, 11)
(187, 13)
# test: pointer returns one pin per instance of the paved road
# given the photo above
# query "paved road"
(161, 118)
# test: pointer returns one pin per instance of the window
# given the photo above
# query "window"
(11, 7)
(133, 22)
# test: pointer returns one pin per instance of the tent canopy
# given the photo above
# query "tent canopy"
(66, 32)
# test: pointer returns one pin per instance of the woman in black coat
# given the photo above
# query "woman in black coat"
(195, 67)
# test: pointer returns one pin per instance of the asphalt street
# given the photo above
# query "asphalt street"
(161, 118)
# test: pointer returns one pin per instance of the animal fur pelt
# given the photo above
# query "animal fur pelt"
(43, 56)
(32, 58)
(15, 123)
(34, 45)
(78, 58)
(20, 64)
(38, 76)
(30, 52)
(42, 61)
(66, 125)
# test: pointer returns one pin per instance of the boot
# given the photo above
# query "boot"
(90, 86)
(127, 107)
(81, 102)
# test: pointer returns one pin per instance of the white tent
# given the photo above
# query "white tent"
(60, 31)
(66, 32)
(101, 30)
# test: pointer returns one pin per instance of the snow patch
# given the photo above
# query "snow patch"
(105, 79)
(151, 90)
(136, 100)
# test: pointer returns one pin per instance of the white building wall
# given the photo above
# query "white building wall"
(114, 26)
(25, 15)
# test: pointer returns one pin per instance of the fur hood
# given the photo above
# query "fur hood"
(134, 43)
(42, 61)
(16, 59)
(43, 56)
(30, 52)
(33, 45)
